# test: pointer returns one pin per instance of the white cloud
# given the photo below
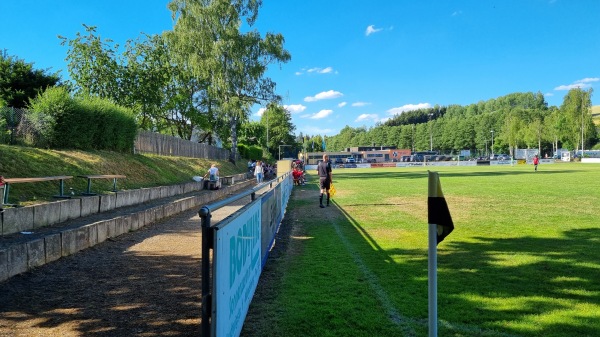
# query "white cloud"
(260, 112)
(321, 114)
(457, 13)
(298, 73)
(548, 94)
(367, 117)
(312, 130)
(582, 84)
(359, 104)
(317, 70)
(371, 29)
(323, 95)
(294, 108)
(408, 107)
(588, 80)
(572, 86)
(343, 104)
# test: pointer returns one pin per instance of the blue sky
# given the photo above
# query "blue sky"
(360, 62)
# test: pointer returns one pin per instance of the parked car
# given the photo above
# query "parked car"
(350, 160)
(503, 157)
(339, 161)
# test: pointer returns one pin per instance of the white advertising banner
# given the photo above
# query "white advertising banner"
(238, 266)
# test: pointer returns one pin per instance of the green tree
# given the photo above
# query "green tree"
(579, 125)
(207, 34)
(281, 129)
(93, 65)
(553, 126)
(20, 82)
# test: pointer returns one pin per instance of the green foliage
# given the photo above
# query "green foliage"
(115, 128)
(65, 122)
(519, 120)
(48, 113)
(278, 123)
(231, 64)
(250, 151)
(20, 82)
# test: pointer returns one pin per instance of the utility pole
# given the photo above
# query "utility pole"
(582, 119)
(492, 143)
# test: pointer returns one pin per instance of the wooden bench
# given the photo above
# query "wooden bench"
(61, 185)
(89, 178)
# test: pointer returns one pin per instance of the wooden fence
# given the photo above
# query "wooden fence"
(156, 143)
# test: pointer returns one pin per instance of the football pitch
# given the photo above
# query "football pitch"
(523, 260)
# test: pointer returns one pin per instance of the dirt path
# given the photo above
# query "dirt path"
(144, 283)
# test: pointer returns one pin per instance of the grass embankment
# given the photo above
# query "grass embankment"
(596, 115)
(141, 170)
(523, 259)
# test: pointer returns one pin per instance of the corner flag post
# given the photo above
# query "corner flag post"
(440, 225)
(432, 277)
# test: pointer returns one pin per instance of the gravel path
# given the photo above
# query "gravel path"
(143, 283)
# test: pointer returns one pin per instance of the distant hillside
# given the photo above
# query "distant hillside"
(141, 170)
(596, 114)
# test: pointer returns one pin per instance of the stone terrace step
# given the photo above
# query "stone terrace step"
(20, 252)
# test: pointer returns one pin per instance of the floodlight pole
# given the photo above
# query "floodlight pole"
(492, 143)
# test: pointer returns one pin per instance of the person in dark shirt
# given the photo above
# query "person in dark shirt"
(325, 178)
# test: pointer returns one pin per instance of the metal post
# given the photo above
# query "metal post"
(207, 235)
(432, 277)
(61, 185)
(4, 194)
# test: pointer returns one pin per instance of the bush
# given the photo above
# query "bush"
(46, 112)
(255, 152)
(243, 151)
(250, 152)
(89, 123)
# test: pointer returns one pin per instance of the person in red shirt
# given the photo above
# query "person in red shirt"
(298, 175)
(536, 161)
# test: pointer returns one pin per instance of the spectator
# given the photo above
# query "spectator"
(298, 175)
(259, 172)
(213, 173)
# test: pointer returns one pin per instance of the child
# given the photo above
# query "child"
(536, 161)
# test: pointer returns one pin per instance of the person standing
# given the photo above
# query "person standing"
(259, 172)
(536, 161)
(325, 178)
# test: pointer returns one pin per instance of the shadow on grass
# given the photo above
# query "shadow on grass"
(493, 283)
(423, 174)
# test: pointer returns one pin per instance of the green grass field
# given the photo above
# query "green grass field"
(523, 260)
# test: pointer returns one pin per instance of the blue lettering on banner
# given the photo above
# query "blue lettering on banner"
(240, 246)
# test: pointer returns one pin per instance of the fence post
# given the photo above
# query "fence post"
(207, 245)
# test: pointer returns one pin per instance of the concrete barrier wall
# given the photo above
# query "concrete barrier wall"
(22, 219)
(25, 256)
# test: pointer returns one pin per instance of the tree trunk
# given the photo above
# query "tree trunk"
(233, 152)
